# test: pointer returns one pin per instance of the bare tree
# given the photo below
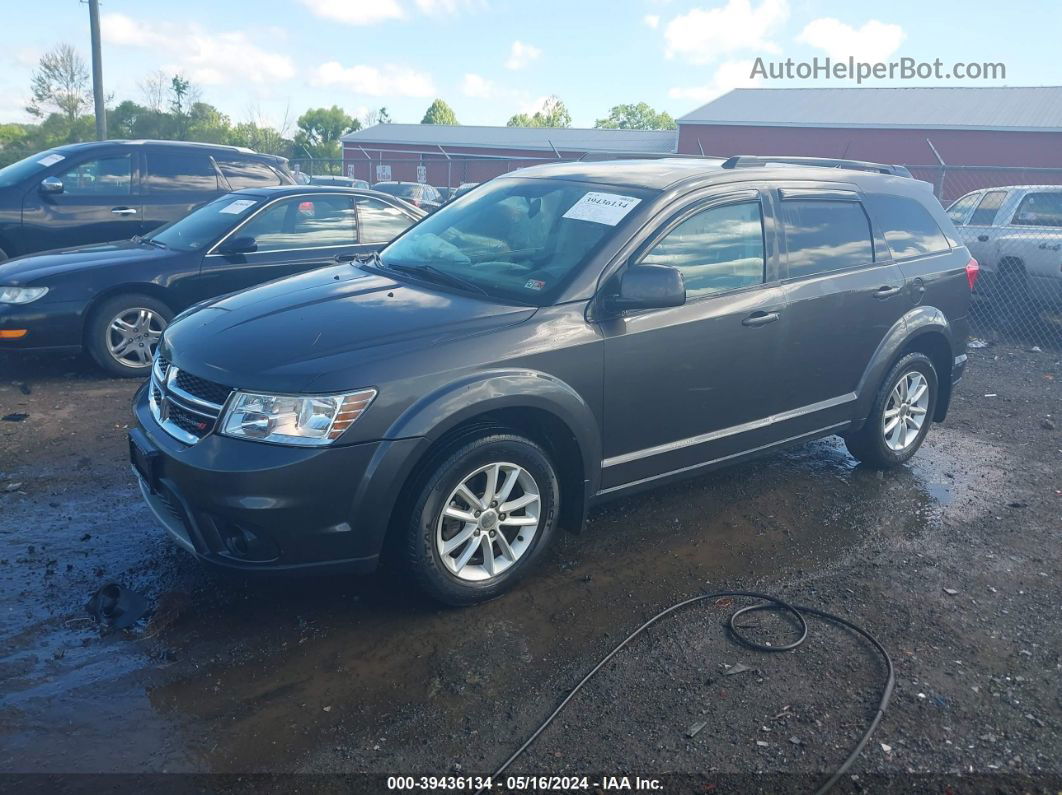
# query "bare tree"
(61, 83)
(154, 88)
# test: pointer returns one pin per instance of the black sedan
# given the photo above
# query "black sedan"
(115, 299)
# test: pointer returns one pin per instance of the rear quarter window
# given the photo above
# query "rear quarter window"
(248, 174)
(908, 227)
(823, 236)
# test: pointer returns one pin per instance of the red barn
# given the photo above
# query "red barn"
(939, 128)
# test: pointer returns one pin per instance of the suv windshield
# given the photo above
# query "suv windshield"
(203, 226)
(21, 169)
(517, 238)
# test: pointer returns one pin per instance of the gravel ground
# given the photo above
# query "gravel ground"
(952, 562)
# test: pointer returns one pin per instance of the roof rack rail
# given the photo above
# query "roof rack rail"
(752, 161)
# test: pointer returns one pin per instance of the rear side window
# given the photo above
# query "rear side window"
(985, 213)
(178, 172)
(379, 222)
(957, 211)
(718, 249)
(909, 229)
(824, 236)
(1040, 209)
(248, 174)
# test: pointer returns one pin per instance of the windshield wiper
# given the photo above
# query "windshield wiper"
(364, 258)
(439, 276)
(152, 242)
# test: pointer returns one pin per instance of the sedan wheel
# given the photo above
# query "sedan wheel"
(489, 521)
(905, 412)
(132, 336)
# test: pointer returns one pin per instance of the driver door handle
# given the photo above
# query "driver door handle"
(887, 292)
(760, 318)
(983, 238)
(124, 211)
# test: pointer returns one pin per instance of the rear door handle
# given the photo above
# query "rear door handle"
(124, 211)
(760, 318)
(983, 238)
(887, 292)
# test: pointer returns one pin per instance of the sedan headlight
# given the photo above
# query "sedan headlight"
(20, 295)
(294, 419)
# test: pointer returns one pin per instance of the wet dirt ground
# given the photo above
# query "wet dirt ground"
(952, 562)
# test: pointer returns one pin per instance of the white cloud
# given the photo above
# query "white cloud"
(728, 75)
(703, 35)
(652, 20)
(477, 86)
(532, 106)
(204, 58)
(874, 42)
(447, 6)
(355, 12)
(520, 55)
(388, 80)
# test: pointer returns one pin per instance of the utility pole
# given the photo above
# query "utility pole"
(97, 70)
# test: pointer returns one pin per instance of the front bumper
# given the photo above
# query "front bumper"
(49, 326)
(255, 506)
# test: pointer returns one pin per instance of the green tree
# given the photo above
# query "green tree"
(553, 114)
(60, 82)
(636, 117)
(320, 130)
(439, 113)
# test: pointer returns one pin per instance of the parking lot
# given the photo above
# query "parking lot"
(952, 561)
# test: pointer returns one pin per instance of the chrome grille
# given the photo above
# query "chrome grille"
(186, 406)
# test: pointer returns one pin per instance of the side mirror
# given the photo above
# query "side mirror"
(51, 185)
(649, 287)
(238, 245)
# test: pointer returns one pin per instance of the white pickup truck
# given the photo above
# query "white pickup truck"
(1015, 234)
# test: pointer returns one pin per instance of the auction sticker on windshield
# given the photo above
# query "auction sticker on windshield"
(50, 160)
(602, 208)
(237, 206)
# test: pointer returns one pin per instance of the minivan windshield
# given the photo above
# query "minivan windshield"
(205, 225)
(516, 238)
(25, 168)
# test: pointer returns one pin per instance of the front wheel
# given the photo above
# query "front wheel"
(124, 332)
(901, 416)
(484, 514)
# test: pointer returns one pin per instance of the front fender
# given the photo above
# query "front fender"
(917, 322)
(441, 411)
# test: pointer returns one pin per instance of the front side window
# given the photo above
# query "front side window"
(303, 222)
(518, 238)
(985, 213)
(174, 172)
(958, 210)
(717, 249)
(248, 174)
(101, 176)
(824, 236)
(379, 222)
(1040, 209)
(909, 229)
(206, 224)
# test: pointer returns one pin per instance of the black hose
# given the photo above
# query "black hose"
(769, 603)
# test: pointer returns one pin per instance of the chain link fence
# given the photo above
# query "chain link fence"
(1009, 217)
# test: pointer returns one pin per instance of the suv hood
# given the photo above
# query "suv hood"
(320, 330)
(34, 267)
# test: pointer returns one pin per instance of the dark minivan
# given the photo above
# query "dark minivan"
(559, 336)
(111, 190)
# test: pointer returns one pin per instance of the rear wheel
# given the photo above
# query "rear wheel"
(484, 514)
(124, 332)
(901, 416)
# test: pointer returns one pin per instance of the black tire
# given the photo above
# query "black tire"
(441, 477)
(868, 444)
(98, 330)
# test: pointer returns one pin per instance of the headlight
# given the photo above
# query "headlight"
(20, 295)
(294, 419)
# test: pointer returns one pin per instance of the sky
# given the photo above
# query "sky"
(269, 60)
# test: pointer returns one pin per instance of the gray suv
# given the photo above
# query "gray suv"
(559, 336)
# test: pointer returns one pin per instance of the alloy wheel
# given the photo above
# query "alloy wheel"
(488, 522)
(132, 336)
(905, 411)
